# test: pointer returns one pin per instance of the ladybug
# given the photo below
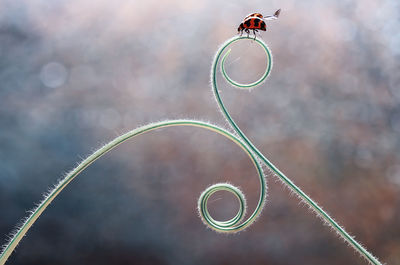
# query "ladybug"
(255, 22)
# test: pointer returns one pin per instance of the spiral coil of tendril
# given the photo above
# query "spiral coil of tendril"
(232, 225)
(235, 224)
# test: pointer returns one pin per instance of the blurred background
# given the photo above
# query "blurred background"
(75, 74)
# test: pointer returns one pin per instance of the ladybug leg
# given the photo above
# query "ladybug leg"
(248, 32)
(254, 32)
(241, 33)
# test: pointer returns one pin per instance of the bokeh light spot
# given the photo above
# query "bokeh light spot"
(53, 75)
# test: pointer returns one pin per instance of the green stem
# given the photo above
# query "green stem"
(313, 205)
(232, 225)
(227, 226)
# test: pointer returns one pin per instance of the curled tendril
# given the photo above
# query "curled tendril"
(232, 225)
(296, 190)
(230, 80)
(235, 224)
(223, 226)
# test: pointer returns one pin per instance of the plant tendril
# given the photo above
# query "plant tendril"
(218, 225)
(237, 223)
(304, 197)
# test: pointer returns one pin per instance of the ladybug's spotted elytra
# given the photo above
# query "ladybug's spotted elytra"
(255, 22)
(254, 15)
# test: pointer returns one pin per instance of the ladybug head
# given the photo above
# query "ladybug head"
(240, 28)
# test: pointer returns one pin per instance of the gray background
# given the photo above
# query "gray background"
(75, 74)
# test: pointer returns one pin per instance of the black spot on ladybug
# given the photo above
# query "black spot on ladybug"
(247, 22)
(262, 25)
(256, 22)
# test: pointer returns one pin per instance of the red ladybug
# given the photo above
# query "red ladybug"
(255, 22)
